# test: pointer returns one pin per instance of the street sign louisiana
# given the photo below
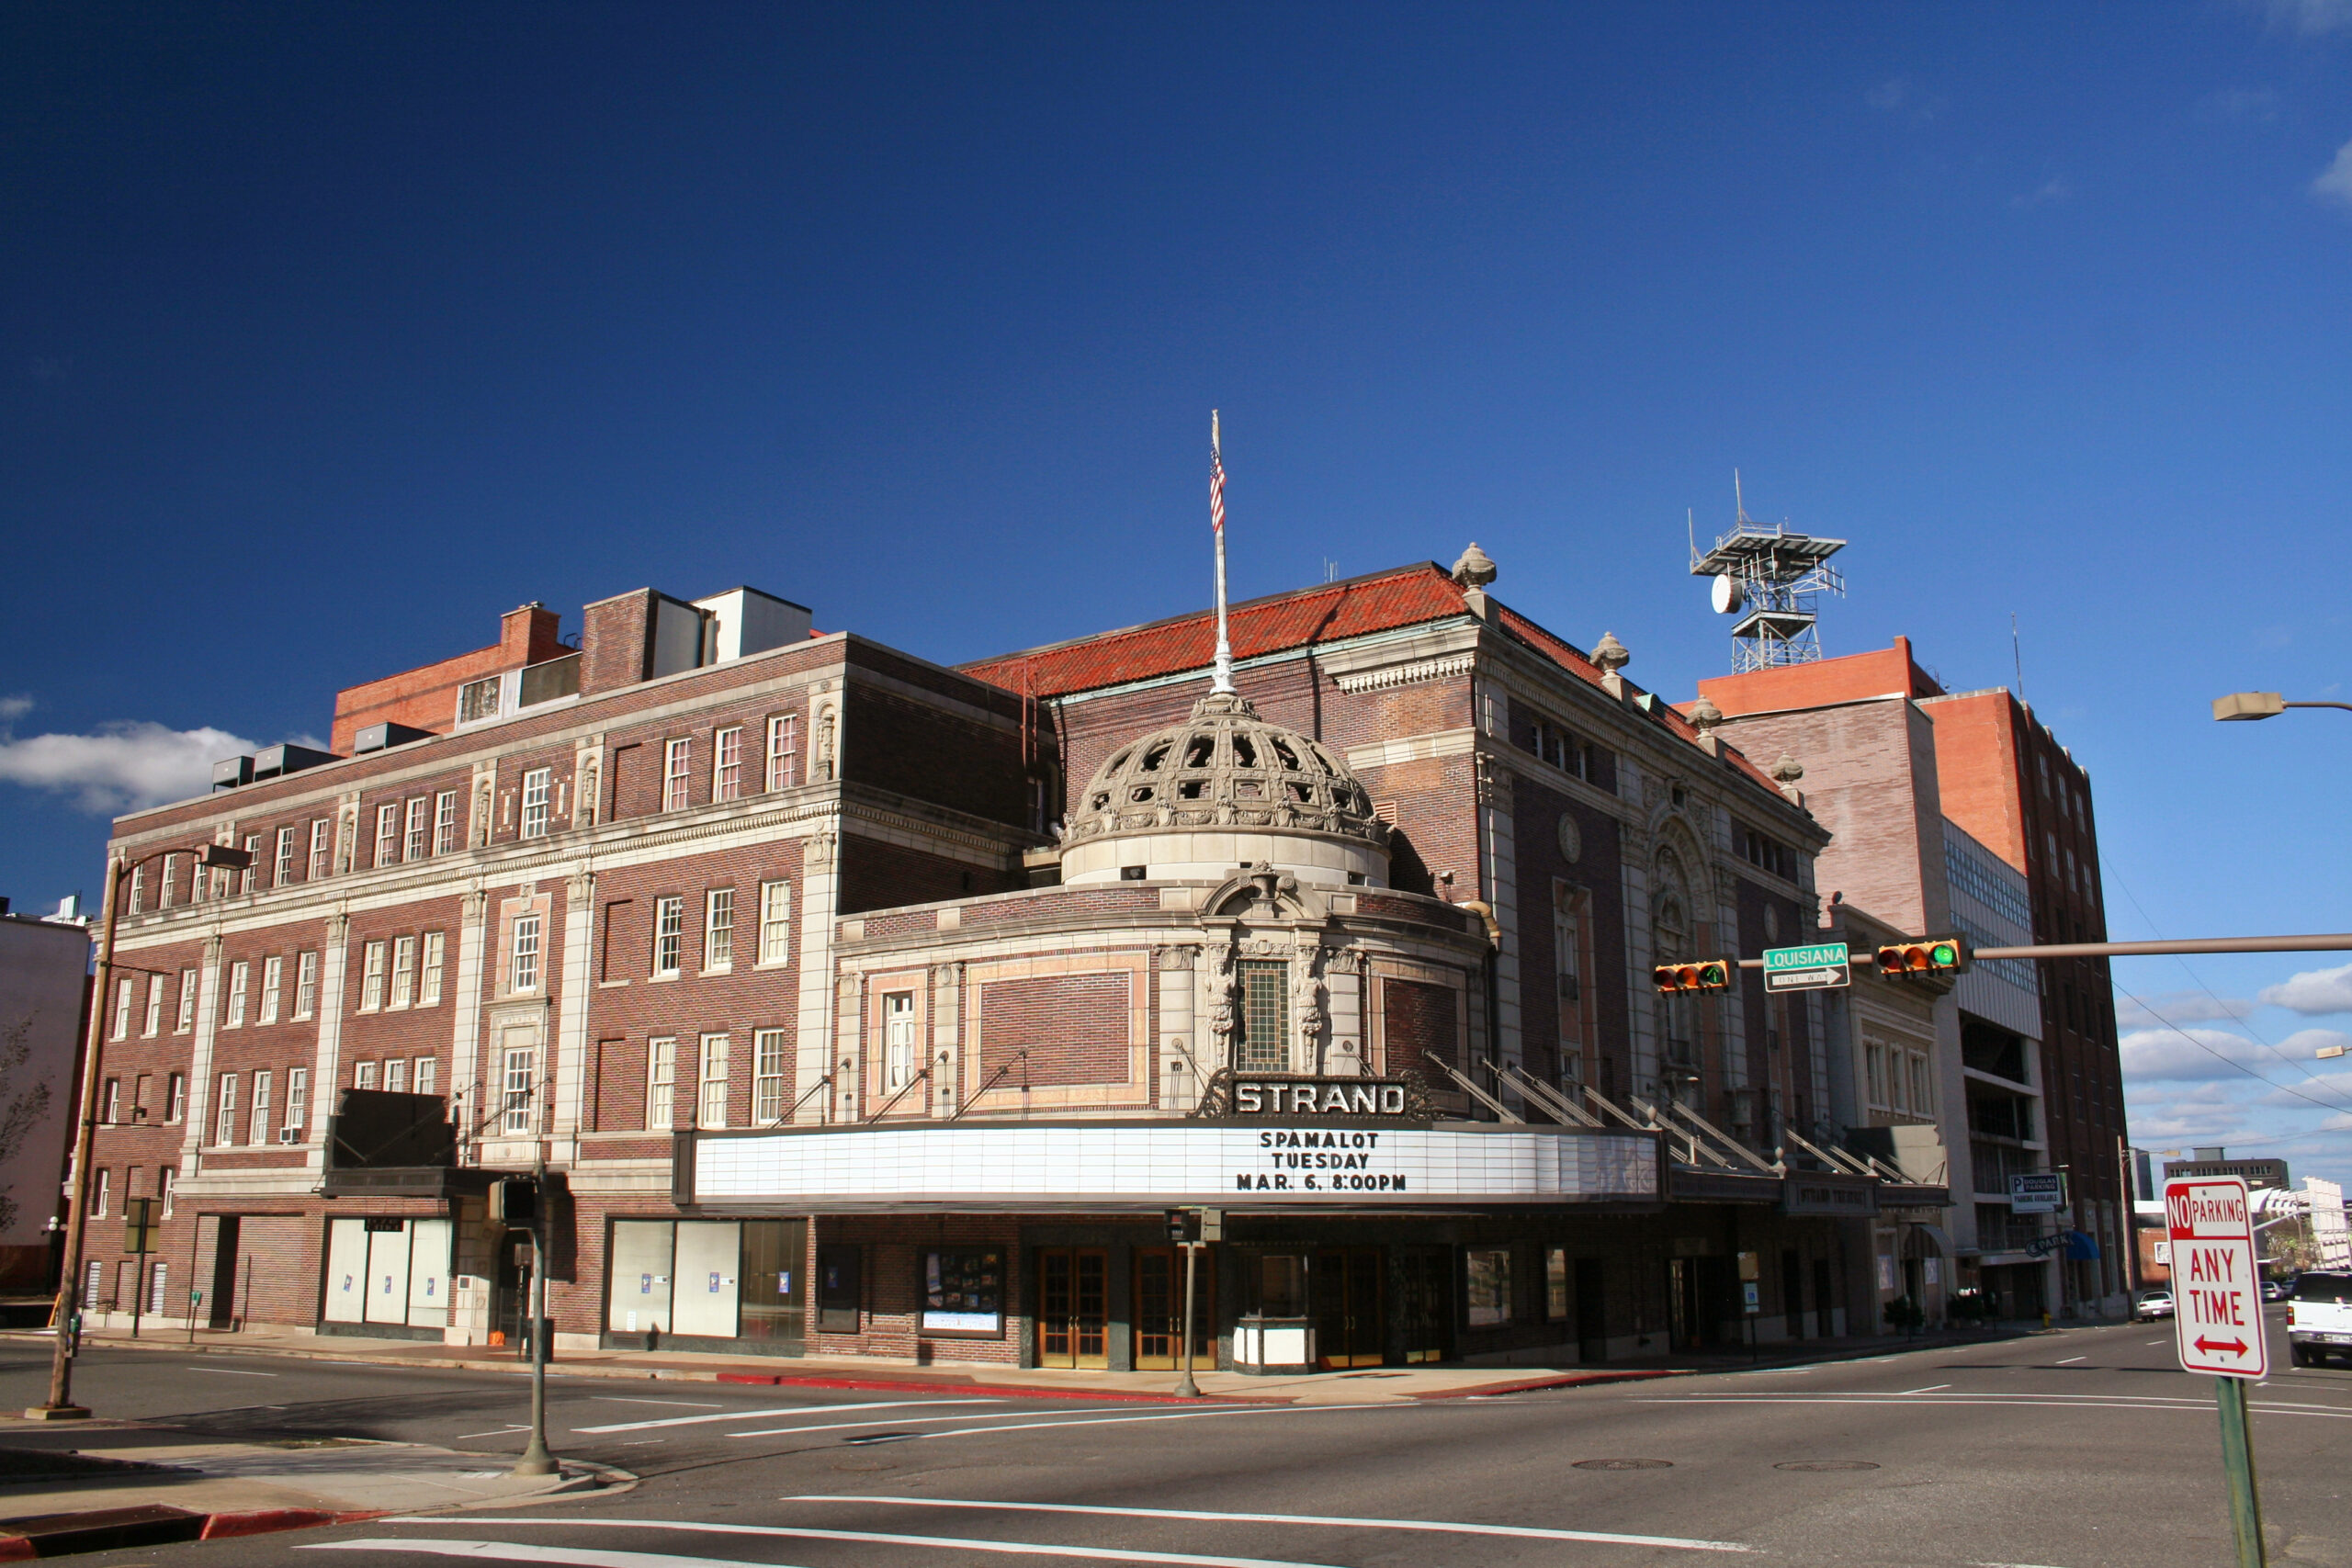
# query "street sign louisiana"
(2216, 1284)
(1807, 968)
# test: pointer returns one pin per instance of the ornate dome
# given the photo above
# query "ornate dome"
(1223, 770)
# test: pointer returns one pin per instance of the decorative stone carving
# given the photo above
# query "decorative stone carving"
(1610, 654)
(1571, 839)
(1174, 960)
(1474, 569)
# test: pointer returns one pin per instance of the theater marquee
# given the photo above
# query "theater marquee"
(1154, 1164)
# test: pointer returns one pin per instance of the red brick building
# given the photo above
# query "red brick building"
(864, 1006)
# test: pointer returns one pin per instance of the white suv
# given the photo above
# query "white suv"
(2319, 1317)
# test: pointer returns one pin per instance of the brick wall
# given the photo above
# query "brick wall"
(891, 1253)
(878, 876)
(1418, 1020)
(1074, 1027)
(614, 642)
(1596, 875)
(426, 697)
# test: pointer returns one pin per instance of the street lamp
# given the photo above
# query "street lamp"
(61, 1406)
(2261, 705)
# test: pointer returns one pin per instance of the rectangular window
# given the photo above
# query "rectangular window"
(1489, 1280)
(273, 980)
(163, 882)
(388, 834)
(396, 1076)
(371, 977)
(428, 1079)
(239, 974)
(122, 1009)
(669, 935)
(963, 1291)
(140, 1102)
(225, 1127)
(298, 1099)
(175, 1097)
(403, 970)
(522, 1088)
(306, 985)
(284, 873)
(537, 787)
(661, 1083)
(163, 1178)
(718, 930)
(767, 1076)
(156, 1292)
(1874, 1070)
(784, 750)
(711, 1105)
(412, 830)
(1923, 1097)
(776, 921)
(322, 829)
(364, 1075)
(677, 760)
(445, 822)
(525, 969)
(187, 1019)
(110, 1102)
(261, 1127)
(155, 1023)
(726, 765)
(898, 1052)
(428, 980)
(1265, 1015)
(479, 699)
(97, 1271)
(101, 1201)
(138, 888)
(253, 859)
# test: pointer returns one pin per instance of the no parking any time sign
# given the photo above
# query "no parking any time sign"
(2216, 1284)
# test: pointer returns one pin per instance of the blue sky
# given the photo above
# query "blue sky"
(327, 334)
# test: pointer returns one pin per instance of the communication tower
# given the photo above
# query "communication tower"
(1769, 579)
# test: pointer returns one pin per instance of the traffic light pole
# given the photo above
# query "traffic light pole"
(2340, 942)
(535, 1459)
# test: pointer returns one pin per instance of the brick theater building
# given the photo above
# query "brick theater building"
(861, 1006)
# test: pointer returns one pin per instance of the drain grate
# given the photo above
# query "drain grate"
(1624, 1464)
(1826, 1464)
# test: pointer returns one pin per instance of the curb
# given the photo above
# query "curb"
(911, 1385)
(266, 1521)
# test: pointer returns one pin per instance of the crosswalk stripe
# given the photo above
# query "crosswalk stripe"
(515, 1552)
(774, 1410)
(1071, 1419)
(877, 1537)
(1529, 1532)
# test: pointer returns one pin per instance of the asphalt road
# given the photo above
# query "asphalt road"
(2085, 1450)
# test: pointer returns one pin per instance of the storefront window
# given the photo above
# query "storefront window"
(1278, 1285)
(1489, 1278)
(963, 1291)
(1555, 1285)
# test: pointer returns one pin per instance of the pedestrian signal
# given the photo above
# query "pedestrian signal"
(1707, 975)
(1936, 956)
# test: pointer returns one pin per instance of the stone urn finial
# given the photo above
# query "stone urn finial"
(1704, 715)
(1610, 654)
(1787, 771)
(1474, 569)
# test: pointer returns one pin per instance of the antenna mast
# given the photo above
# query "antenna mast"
(1770, 579)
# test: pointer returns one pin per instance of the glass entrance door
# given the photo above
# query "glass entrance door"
(1425, 1302)
(1073, 1307)
(1349, 1329)
(1159, 1302)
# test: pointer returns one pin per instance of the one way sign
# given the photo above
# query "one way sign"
(2216, 1285)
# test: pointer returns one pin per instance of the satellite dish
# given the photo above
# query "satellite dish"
(1726, 594)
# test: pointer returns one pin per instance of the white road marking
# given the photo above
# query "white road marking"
(1528, 1532)
(1173, 1416)
(2070, 1360)
(2159, 1341)
(500, 1433)
(512, 1551)
(893, 1421)
(776, 1410)
(2009, 1565)
(1930, 1388)
(689, 1403)
(230, 1372)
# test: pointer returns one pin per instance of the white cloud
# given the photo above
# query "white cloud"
(2313, 991)
(122, 766)
(2049, 193)
(14, 708)
(2205, 1114)
(2173, 1054)
(2178, 1006)
(2310, 19)
(2334, 184)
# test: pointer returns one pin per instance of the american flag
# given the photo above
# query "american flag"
(1216, 488)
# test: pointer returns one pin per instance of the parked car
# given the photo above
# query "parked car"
(2152, 1304)
(2319, 1317)
(2278, 1290)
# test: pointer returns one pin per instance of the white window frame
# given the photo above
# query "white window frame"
(775, 923)
(153, 1023)
(523, 955)
(103, 1200)
(784, 750)
(240, 975)
(388, 833)
(273, 981)
(396, 1075)
(727, 764)
(282, 873)
(428, 975)
(718, 931)
(176, 1098)
(371, 977)
(677, 774)
(164, 1177)
(413, 840)
(445, 822)
(364, 1075)
(425, 1076)
(538, 794)
(185, 1022)
(262, 1131)
(224, 1126)
(298, 1101)
(137, 887)
(669, 933)
(710, 1083)
(121, 1010)
(403, 988)
(163, 882)
(322, 845)
(521, 1086)
(110, 1102)
(661, 1083)
(900, 1048)
(770, 1062)
(253, 859)
(306, 985)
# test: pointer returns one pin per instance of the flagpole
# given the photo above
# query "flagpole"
(1223, 683)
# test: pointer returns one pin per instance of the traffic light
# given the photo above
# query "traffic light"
(1706, 974)
(515, 1199)
(1936, 955)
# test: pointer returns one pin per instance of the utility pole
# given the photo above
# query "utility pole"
(535, 1459)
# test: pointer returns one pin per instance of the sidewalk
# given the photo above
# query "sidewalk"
(94, 1485)
(1379, 1385)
